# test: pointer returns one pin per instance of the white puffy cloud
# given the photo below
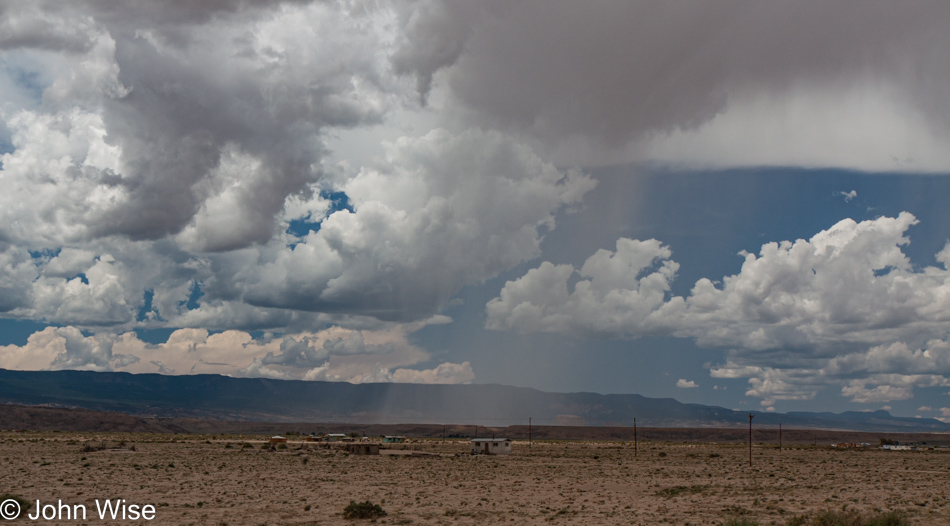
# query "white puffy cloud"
(60, 177)
(212, 113)
(619, 293)
(172, 147)
(888, 387)
(845, 306)
(334, 354)
(65, 348)
(683, 383)
(444, 211)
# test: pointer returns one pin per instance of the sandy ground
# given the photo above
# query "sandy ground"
(201, 480)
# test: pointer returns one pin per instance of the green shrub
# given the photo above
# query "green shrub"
(363, 510)
(740, 521)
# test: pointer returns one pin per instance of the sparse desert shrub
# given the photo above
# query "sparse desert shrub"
(662, 453)
(363, 510)
(92, 447)
(849, 518)
(891, 518)
(740, 521)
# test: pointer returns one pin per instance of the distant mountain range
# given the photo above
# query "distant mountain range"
(265, 400)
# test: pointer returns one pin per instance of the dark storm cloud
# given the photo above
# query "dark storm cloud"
(614, 71)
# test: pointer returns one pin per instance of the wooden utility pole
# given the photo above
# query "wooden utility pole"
(750, 439)
(780, 437)
(443, 434)
(529, 431)
(634, 438)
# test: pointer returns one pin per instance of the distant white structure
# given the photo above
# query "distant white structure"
(895, 447)
(491, 446)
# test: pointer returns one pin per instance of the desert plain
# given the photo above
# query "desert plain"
(240, 480)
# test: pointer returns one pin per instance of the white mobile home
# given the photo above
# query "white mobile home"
(491, 446)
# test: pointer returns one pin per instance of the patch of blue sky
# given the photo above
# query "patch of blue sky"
(17, 332)
(146, 306)
(338, 201)
(194, 296)
(45, 254)
(706, 218)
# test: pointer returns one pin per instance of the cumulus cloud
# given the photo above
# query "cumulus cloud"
(682, 383)
(443, 212)
(619, 291)
(333, 355)
(846, 305)
(204, 117)
(65, 348)
(181, 151)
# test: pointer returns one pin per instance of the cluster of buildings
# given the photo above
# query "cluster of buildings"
(368, 446)
(888, 446)
(910, 447)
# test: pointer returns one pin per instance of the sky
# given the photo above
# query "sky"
(731, 203)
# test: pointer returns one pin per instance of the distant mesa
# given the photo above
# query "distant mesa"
(266, 400)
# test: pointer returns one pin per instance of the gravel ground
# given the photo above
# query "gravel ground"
(218, 480)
